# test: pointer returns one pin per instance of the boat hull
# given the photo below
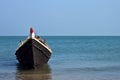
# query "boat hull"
(32, 53)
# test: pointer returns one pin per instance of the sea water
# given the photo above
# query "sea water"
(73, 58)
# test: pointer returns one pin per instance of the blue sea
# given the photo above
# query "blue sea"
(73, 58)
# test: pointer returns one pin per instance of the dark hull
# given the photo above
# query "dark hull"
(32, 53)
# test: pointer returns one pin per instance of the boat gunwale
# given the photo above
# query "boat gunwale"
(25, 41)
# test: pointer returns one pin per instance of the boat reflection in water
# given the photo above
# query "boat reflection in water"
(38, 73)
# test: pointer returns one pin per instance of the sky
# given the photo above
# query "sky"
(60, 17)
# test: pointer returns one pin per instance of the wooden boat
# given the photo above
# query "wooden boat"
(33, 51)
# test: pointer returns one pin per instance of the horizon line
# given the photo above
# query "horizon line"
(60, 35)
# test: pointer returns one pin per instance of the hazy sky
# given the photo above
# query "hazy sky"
(60, 17)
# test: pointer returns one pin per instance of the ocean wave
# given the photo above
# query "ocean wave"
(102, 69)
